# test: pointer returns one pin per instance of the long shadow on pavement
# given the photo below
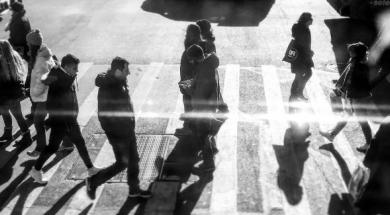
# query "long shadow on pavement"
(225, 13)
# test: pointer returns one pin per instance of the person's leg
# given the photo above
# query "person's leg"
(39, 124)
(16, 110)
(7, 135)
(74, 133)
(305, 78)
(133, 161)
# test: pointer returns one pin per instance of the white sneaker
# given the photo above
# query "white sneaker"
(327, 135)
(33, 154)
(93, 171)
(37, 176)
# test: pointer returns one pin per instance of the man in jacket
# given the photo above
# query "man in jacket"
(116, 116)
(63, 109)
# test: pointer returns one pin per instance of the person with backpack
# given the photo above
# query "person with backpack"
(354, 85)
(63, 110)
(18, 27)
(41, 61)
(301, 67)
(116, 116)
(12, 71)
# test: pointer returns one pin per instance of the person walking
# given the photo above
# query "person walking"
(18, 27)
(207, 35)
(41, 62)
(116, 116)
(12, 71)
(354, 85)
(301, 67)
(63, 109)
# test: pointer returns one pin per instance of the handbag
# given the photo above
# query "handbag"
(187, 86)
(291, 53)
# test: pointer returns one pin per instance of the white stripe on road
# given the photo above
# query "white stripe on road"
(80, 200)
(88, 107)
(174, 121)
(322, 108)
(274, 200)
(224, 191)
(83, 68)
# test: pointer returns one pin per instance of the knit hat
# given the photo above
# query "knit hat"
(34, 37)
(17, 6)
(195, 51)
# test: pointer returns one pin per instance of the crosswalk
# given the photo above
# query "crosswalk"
(253, 163)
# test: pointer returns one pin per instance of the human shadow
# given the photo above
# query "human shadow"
(345, 173)
(130, 203)
(225, 13)
(340, 205)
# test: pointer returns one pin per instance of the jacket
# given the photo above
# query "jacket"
(302, 36)
(44, 62)
(115, 109)
(19, 27)
(355, 80)
(10, 91)
(62, 98)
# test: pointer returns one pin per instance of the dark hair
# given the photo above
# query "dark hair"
(359, 48)
(306, 16)
(69, 59)
(17, 7)
(192, 35)
(118, 63)
(205, 29)
(195, 51)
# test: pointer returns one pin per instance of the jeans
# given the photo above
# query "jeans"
(39, 124)
(61, 128)
(126, 156)
(16, 110)
(302, 76)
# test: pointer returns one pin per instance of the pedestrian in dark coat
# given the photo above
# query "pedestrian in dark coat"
(301, 67)
(12, 71)
(63, 109)
(19, 27)
(116, 116)
(207, 35)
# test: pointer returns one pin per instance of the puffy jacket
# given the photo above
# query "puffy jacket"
(302, 36)
(19, 27)
(44, 62)
(115, 109)
(62, 98)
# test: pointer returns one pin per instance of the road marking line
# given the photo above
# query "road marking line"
(224, 191)
(274, 200)
(174, 121)
(80, 200)
(83, 68)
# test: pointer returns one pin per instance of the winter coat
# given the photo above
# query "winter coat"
(19, 27)
(302, 36)
(186, 68)
(115, 109)
(44, 62)
(11, 91)
(355, 80)
(62, 98)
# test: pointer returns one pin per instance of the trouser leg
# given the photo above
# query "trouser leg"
(16, 110)
(39, 123)
(74, 133)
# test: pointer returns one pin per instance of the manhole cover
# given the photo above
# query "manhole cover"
(152, 150)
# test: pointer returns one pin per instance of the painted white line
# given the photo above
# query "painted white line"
(83, 68)
(86, 111)
(322, 107)
(174, 121)
(80, 200)
(274, 200)
(224, 191)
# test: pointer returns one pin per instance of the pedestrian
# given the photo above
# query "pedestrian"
(355, 87)
(41, 62)
(204, 101)
(116, 116)
(12, 71)
(19, 27)
(301, 67)
(207, 35)
(63, 108)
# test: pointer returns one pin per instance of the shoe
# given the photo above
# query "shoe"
(137, 192)
(7, 135)
(37, 176)
(327, 135)
(65, 148)
(93, 171)
(91, 190)
(363, 149)
(182, 132)
(207, 167)
(302, 98)
(34, 153)
(26, 139)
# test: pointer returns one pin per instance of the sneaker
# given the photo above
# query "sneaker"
(34, 153)
(137, 192)
(37, 176)
(302, 97)
(327, 135)
(65, 148)
(93, 171)
(363, 149)
(91, 190)
(207, 167)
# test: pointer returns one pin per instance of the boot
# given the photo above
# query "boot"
(26, 139)
(7, 136)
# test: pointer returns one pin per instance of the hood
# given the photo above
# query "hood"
(104, 80)
(45, 52)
